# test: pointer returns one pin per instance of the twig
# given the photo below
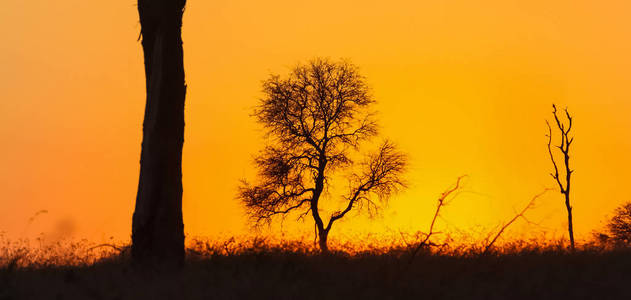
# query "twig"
(107, 245)
(441, 203)
(517, 216)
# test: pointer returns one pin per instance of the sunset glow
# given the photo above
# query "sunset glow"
(463, 87)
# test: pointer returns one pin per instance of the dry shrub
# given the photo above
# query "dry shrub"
(24, 253)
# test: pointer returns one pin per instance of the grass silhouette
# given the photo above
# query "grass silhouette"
(259, 268)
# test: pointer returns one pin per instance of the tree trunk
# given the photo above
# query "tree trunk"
(570, 226)
(323, 237)
(323, 233)
(568, 185)
(157, 228)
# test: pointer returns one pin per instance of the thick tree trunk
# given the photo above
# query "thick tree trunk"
(319, 187)
(158, 229)
(323, 238)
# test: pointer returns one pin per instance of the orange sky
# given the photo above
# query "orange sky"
(463, 86)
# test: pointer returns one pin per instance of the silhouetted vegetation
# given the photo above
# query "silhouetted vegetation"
(618, 227)
(259, 269)
(319, 120)
(564, 147)
(442, 201)
(520, 214)
(316, 119)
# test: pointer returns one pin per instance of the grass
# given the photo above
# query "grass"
(259, 269)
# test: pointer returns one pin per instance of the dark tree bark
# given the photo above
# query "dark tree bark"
(158, 229)
(323, 241)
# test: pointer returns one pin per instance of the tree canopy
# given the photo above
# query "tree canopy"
(316, 119)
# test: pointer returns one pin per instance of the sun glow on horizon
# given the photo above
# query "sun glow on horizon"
(463, 87)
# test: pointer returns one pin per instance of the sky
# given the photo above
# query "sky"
(463, 87)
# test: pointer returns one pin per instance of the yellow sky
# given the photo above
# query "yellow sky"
(464, 87)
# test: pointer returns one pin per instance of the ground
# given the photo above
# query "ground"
(274, 273)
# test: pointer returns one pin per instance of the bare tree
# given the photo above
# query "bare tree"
(564, 148)
(317, 118)
(157, 229)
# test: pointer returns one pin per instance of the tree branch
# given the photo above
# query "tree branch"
(511, 221)
(441, 203)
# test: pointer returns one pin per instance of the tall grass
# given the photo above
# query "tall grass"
(25, 253)
(268, 268)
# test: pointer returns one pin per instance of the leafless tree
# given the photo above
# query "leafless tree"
(564, 148)
(316, 119)
(157, 228)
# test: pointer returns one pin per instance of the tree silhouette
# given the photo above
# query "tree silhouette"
(619, 226)
(564, 147)
(316, 118)
(157, 229)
